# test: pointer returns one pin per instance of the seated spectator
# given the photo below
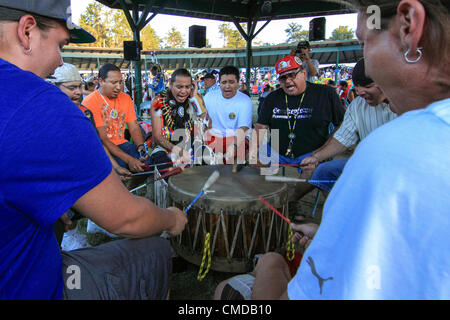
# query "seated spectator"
(366, 113)
(113, 110)
(173, 116)
(89, 86)
(266, 92)
(230, 112)
(301, 113)
(209, 82)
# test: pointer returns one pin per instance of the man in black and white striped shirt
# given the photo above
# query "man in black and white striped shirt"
(367, 112)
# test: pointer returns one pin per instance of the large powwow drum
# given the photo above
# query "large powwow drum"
(240, 225)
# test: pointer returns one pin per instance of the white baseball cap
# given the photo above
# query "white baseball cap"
(66, 73)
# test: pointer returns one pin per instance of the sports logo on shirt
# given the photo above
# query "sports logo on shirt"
(232, 116)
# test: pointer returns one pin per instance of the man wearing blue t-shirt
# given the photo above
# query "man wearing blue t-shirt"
(56, 162)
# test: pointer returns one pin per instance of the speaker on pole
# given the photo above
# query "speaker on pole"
(197, 36)
(317, 29)
(132, 50)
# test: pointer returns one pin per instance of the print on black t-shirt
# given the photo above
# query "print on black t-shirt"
(320, 107)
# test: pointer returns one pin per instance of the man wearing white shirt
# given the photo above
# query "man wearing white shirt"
(230, 112)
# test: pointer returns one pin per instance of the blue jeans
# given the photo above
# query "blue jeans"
(130, 149)
(330, 170)
(275, 158)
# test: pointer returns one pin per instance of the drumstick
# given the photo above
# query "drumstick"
(292, 165)
(274, 209)
(149, 172)
(212, 178)
(291, 179)
(173, 171)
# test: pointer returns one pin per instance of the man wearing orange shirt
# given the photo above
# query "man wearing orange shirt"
(113, 110)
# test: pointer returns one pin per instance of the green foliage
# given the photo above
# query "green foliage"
(174, 39)
(110, 27)
(342, 33)
(232, 38)
(295, 33)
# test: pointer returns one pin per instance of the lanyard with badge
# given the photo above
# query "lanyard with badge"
(113, 114)
(292, 135)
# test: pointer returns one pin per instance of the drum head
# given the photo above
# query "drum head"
(233, 192)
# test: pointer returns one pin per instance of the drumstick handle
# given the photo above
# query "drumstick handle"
(194, 201)
(274, 209)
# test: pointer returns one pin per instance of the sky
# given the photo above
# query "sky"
(272, 33)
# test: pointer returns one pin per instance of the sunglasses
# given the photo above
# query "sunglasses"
(290, 76)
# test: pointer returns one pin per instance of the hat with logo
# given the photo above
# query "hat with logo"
(288, 64)
(65, 73)
(55, 9)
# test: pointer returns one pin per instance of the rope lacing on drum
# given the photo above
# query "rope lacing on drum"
(290, 253)
(206, 255)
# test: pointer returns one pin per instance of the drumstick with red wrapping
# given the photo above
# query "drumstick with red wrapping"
(273, 209)
(171, 172)
(212, 178)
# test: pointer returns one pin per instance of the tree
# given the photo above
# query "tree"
(174, 39)
(342, 33)
(295, 33)
(110, 28)
(119, 29)
(93, 21)
(149, 38)
(232, 38)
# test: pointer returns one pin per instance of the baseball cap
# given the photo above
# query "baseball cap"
(55, 9)
(359, 74)
(303, 44)
(288, 64)
(208, 76)
(65, 73)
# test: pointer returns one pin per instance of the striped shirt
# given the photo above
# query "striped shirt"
(360, 120)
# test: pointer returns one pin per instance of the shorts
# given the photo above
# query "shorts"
(274, 158)
(129, 269)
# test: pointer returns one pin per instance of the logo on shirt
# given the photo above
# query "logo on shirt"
(310, 261)
(232, 116)
(181, 112)
(302, 113)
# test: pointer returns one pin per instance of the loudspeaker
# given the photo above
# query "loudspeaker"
(317, 29)
(197, 36)
(132, 50)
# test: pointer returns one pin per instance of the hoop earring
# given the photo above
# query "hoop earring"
(28, 51)
(408, 60)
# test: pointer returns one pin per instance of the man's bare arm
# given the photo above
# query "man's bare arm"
(113, 207)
